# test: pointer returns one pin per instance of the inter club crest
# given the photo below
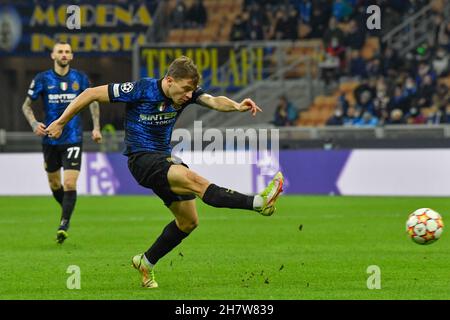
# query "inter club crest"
(63, 86)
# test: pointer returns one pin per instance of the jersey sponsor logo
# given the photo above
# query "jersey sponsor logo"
(61, 98)
(159, 119)
(75, 86)
(126, 87)
(63, 86)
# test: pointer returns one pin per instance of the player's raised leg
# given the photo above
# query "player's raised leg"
(68, 204)
(186, 220)
(185, 181)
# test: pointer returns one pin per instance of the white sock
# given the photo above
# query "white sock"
(258, 202)
(146, 260)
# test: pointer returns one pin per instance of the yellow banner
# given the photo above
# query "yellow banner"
(224, 66)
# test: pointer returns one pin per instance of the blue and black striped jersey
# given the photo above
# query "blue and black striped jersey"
(57, 92)
(150, 115)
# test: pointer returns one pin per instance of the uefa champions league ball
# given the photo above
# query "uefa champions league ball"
(424, 226)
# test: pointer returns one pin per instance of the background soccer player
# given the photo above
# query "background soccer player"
(58, 87)
(153, 107)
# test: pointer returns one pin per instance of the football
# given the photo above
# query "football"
(424, 226)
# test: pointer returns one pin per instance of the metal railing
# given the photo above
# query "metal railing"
(415, 30)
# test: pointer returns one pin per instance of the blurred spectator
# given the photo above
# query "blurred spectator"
(291, 110)
(266, 17)
(286, 25)
(367, 120)
(436, 115)
(366, 103)
(293, 24)
(258, 12)
(337, 119)
(333, 36)
(255, 30)
(355, 37)
(399, 101)
(197, 14)
(391, 63)
(381, 102)
(357, 65)
(239, 29)
(423, 71)
(410, 89)
(178, 15)
(334, 43)
(352, 116)
(343, 103)
(446, 114)
(439, 108)
(319, 19)
(364, 86)
(425, 92)
(330, 69)
(374, 67)
(342, 10)
(396, 117)
(281, 116)
(304, 7)
(415, 116)
(440, 62)
(443, 94)
(286, 114)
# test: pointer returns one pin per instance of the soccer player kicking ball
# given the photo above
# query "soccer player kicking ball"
(153, 106)
(58, 87)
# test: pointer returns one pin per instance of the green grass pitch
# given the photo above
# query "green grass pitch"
(311, 248)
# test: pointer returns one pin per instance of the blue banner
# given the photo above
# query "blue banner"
(106, 28)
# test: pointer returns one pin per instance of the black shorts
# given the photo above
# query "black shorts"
(150, 171)
(67, 156)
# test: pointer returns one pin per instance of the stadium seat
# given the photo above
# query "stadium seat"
(191, 35)
(319, 100)
(371, 47)
(347, 87)
(176, 35)
(303, 30)
(208, 34)
(445, 80)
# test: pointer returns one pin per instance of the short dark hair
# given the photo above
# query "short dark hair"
(184, 68)
(60, 42)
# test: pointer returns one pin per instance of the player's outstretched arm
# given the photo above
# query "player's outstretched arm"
(88, 96)
(225, 104)
(94, 107)
(38, 127)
